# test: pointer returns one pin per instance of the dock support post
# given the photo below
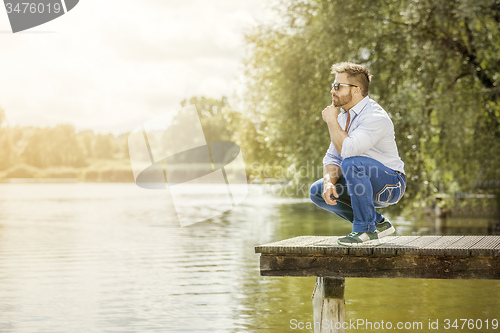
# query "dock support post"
(329, 305)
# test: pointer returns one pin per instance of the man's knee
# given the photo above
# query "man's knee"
(316, 189)
(350, 163)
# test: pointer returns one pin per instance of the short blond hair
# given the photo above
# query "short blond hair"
(359, 73)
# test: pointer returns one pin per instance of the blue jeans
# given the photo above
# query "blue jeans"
(365, 184)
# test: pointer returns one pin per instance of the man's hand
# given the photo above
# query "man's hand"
(330, 113)
(328, 190)
(337, 134)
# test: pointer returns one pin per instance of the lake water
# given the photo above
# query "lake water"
(112, 258)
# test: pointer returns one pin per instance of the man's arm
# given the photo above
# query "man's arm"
(337, 134)
(366, 135)
(331, 174)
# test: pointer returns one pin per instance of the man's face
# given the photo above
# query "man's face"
(342, 96)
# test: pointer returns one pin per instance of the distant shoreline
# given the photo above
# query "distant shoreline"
(53, 181)
(37, 180)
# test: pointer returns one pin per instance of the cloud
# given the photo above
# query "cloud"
(108, 65)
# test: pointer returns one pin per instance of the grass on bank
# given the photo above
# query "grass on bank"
(98, 171)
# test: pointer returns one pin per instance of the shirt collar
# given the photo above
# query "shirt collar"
(358, 107)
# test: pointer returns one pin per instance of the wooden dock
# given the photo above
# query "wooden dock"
(430, 257)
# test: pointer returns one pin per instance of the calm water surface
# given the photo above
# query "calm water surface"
(112, 258)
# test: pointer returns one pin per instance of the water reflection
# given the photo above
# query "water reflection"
(112, 258)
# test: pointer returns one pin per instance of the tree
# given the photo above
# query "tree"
(55, 146)
(435, 68)
(220, 122)
(2, 116)
(104, 147)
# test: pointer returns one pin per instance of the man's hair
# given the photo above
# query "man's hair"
(359, 73)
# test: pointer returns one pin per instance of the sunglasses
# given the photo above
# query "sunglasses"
(336, 85)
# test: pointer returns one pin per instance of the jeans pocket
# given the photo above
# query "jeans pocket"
(390, 194)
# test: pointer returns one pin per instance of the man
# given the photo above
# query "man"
(362, 168)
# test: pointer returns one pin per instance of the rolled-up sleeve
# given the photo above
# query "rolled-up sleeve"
(332, 156)
(365, 136)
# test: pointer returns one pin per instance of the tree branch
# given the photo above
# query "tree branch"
(474, 62)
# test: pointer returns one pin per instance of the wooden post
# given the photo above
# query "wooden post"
(329, 305)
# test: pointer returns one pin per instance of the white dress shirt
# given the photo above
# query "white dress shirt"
(370, 134)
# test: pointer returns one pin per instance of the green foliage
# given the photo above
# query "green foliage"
(436, 71)
(55, 146)
(2, 116)
(91, 175)
(59, 146)
(22, 171)
(59, 172)
(103, 146)
(61, 152)
(116, 175)
(217, 118)
(221, 122)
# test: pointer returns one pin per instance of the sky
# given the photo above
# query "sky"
(111, 65)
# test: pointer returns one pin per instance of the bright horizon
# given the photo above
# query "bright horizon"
(109, 66)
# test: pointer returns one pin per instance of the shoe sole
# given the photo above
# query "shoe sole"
(373, 242)
(386, 232)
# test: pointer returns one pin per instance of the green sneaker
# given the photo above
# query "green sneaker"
(385, 228)
(359, 239)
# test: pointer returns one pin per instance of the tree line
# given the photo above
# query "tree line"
(63, 152)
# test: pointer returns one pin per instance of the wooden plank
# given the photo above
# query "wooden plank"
(413, 247)
(286, 242)
(439, 247)
(497, 251)
(319, 246)
(361, 250)
(429, 267)
(486, 246)
(328, 243)
(292, 245)
(462, 246)
(391, 245)
(331, 247)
